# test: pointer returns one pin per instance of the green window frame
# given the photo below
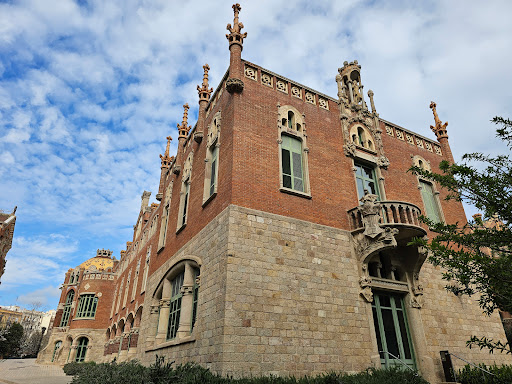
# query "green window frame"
(175, 306)
(392, 330)
(366, 179)
(87, 306)
(213, 169)
(429, 200)
(57, 346)
(292, 163)
(81, 349)
(67, 309)
(195, 299)
(185, 202)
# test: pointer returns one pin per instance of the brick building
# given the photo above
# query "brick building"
(7, 223)
(279, 243)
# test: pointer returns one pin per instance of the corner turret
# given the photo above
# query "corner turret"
(164, 168)
(236, 38)
(204, 97)
(441, 133)
(183, 130)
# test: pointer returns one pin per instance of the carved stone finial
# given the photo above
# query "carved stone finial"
(166, 159)
(235, 35)
(370, 209)
(183, 128)
(203, 91)
(372, 104)
(439, 129)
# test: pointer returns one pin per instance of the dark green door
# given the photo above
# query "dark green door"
(393, 336)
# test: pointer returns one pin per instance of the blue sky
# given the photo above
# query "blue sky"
(90, 89)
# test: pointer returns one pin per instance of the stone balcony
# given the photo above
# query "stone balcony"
(373, 214)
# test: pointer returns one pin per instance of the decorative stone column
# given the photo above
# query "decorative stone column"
(187, 302)
(166, 161)
(204, 97)
(441, 133)
(163, 319)
(183, 130)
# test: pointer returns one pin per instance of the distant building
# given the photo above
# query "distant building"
(280, 242)
(7, 222)
(9, 316)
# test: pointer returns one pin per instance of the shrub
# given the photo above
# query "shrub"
(162, 372)
(472, 375)
(73, 369)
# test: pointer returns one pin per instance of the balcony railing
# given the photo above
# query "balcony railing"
(391, 212)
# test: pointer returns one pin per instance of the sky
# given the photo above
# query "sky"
(90, 89)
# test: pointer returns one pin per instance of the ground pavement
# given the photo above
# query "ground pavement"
(26, 371)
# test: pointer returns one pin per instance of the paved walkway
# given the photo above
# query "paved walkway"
(26, 371)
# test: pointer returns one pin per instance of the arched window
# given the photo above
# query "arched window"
(165, 216)
(135, 280)
(67, 309)
(146, 271)
(71, 278)
(432, 210)
(293, 152)
(178, 295)
(212, 159)
(55, 349)
(362, 137)
(81, 349)
(126, 290)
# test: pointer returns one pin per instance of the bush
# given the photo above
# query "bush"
(472, 375)
(163, 373)
(73, 369)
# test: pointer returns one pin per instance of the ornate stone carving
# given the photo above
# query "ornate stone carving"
(349, 148)
(409, 139)
(419, 142)
(323, 103)
(266, 79)
(234, 85)
(383, 162)
(310, 97)
(389, 130)
(365, 283)
(439, 129)
(370, 212)
(437, 150)
(428, 146)
(399, 135)
(250, 72)
(296, 92)
(282, 86)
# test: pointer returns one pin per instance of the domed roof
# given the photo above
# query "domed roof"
(102, 260)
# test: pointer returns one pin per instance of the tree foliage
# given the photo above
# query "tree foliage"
(11, 341)
(476, 256)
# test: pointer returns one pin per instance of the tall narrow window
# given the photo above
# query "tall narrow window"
(211, 174)
(81, 349)
(135, 280)
(430, 200)
(120, 295)
(165, 217)
(366, 180)
(127, 289)
(87, 306)
(175, 306)
(393, 337)
(195, 298)
(146, 271)
(55, 349)
(185, 193)
(291, 152)
(67, 309)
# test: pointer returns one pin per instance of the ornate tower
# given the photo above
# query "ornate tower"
(166, 163)
(183, 130)
(441, 133)
(236, 41)
(361, 129)
(204, 97)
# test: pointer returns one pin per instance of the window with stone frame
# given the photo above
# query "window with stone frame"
(146, 271)
(81, 349)
(165, 216)
(185, 193)
(362, 137)
(366, 180)
(120, 293)
(87, 306)
(293, 152)
(178, 297)
(212, 159)
(135, 280)
(64, 321)
(429, 194)
(125, 299)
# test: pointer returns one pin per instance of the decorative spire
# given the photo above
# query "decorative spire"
(183, 128)
(166, 159)
(439, 129)
(235, 36)
(204, 92)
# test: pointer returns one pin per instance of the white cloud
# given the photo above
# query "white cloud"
(40, 298)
